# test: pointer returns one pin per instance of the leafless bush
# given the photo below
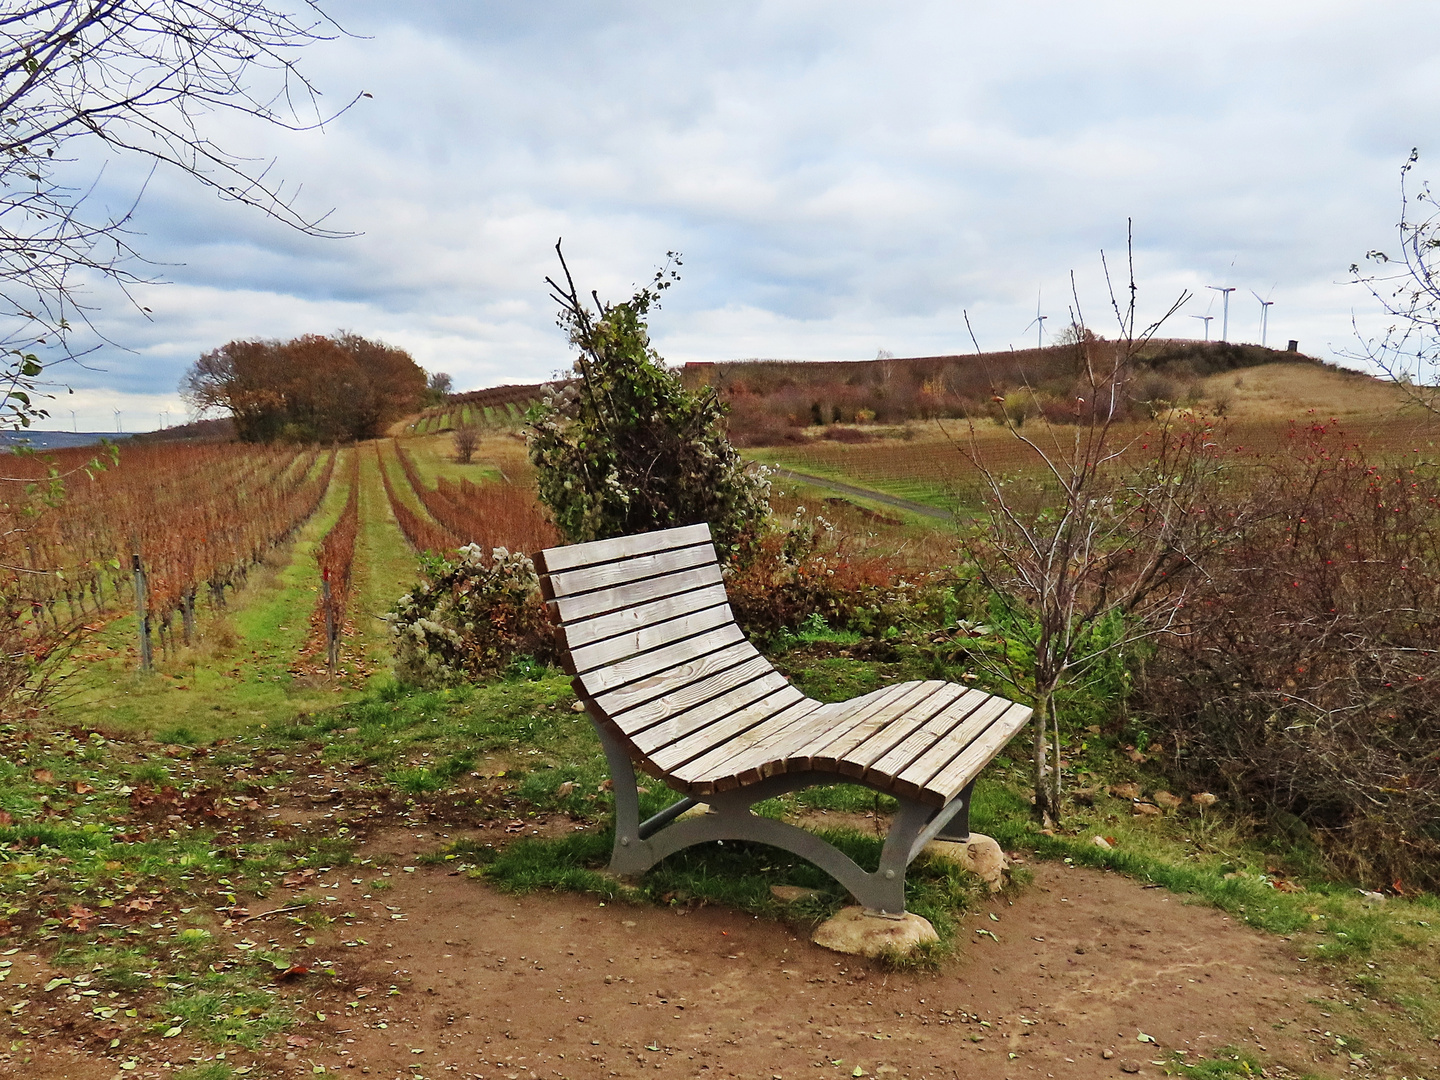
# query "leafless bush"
(466, 440)
(1308, 676)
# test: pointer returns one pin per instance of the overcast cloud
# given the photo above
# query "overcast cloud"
(840, 177)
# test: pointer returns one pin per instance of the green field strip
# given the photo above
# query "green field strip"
(400, 482)
(434, 457)
(913, 490)
(929, 517)
(385, 566)
(237, 675)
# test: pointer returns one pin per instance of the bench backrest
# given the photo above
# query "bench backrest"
(646, 629)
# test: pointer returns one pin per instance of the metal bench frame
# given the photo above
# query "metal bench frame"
(923, 814)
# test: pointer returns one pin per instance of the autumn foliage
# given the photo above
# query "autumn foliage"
(314, 388)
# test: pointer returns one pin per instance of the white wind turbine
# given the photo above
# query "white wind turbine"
(1264, 312)
(1206, 319)
(1038, 322)
(1225, 291)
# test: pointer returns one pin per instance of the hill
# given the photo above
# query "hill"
(774, 401)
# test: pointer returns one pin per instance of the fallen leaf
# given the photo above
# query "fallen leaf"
(44, 776)
(300, 1042)
(293, 971)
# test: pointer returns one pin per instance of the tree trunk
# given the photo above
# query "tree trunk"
(1040, 720)
(1055, 768)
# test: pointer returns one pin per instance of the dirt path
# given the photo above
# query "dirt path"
(544, 986)
(440, 976)
(866, 493)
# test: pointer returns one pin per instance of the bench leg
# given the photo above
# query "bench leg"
(881, 891)
(628, 855)
(958, 828)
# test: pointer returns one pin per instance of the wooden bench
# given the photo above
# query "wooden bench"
(645, 628)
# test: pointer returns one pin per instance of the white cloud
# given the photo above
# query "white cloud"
(840, 177)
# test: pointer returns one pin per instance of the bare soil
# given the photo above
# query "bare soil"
(439, 975)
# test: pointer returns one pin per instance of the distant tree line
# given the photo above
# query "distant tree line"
(311, 389)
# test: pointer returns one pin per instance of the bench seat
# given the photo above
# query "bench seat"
(673, 686)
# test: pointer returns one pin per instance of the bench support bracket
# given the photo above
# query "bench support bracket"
(640, 845)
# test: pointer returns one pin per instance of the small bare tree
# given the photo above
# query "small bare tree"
(1091, 553)
(1408, 290)
(466, 441)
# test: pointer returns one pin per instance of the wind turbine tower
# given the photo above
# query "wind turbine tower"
(1039, 323)
(1225, 291)
(1264, 314)
(118, 426)
(1206, 319)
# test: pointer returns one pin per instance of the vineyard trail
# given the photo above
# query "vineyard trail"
(865, 493)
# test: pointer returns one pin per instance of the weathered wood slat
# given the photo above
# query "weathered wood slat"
(886, 767)
(678, 753)
(763, 751)
(554, 560)
(827, 753)
(706, 717)
(917, 775)
(610, 575)
(859, 756)
(849, 713)
(593, 684)
(689, 695)
(675, 676)
(739, 761)
(570, 609)
(611, 650)
(977, 755)
(589, 631)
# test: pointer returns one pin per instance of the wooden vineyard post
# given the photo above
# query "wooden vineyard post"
(187, 614)
(141, 617)
(332, 632)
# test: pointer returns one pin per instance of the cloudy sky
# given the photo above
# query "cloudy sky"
(840, 177)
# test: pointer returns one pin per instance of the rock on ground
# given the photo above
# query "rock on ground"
(980, 855)
(856, 933)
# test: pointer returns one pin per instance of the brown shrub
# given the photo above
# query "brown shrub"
(1308, 676)
(809, 568)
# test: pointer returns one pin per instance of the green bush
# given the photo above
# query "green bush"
(624, 448)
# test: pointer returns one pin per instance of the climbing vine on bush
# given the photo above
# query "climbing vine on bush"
(624, 447)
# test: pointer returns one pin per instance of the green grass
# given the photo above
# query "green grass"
(237, 674)
(915, 490)
(385, 568)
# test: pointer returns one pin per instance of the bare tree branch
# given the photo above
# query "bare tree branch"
(143, 78)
